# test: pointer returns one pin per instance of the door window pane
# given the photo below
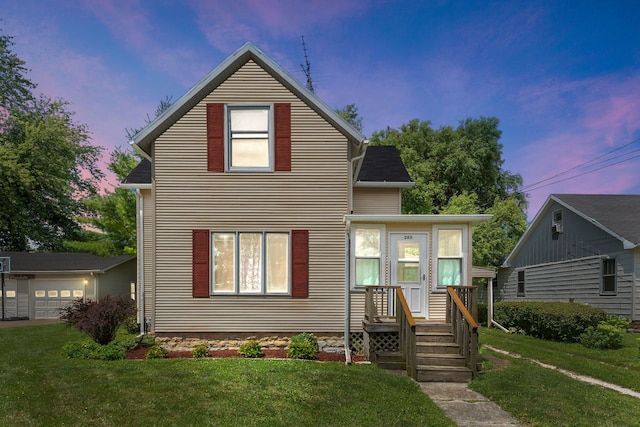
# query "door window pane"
(277, 263)
(408, 272)
(408, 250)
(250, 262)
(224, 262)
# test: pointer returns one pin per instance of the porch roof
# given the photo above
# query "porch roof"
(471, 219)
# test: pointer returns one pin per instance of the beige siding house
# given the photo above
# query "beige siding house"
(260, 210)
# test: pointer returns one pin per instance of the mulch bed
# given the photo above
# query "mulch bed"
(141, 352)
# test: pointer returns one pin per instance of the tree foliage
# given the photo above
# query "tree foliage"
(113, 215)
(47, 169)
(350, 114)
(115, 211)
(15, 88)
(459, 171)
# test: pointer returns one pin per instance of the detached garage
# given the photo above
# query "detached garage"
(37, 285)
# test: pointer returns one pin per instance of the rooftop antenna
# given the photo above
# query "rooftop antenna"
(306, 69)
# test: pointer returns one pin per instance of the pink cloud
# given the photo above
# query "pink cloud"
(229, 24)
(592, 117)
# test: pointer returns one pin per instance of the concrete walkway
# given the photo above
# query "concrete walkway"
(583, 378)
(466, 407)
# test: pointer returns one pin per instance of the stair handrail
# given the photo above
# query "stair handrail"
(407, 334)
(464, 326)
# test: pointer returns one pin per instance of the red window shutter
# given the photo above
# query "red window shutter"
(282, 119)
(215, 137)
(300, 263)
(200, 260)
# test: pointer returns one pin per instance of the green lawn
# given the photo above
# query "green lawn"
(542, 397)
(39, 387)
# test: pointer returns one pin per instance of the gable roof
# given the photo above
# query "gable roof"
(32, 262)
(218, 75)
(139, 177)
(616, 214)
(382, 166)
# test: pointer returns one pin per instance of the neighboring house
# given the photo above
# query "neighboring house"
(260, 210)
(581, 248)
(38, 284)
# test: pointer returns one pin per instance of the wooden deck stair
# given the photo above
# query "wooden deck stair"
(438, 356)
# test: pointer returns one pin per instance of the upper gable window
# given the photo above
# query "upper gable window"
(250, 141)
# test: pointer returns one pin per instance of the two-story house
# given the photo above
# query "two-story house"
(262, 211)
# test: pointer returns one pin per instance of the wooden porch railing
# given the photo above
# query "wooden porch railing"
(463, 323)
(407, 334)
(388, 303)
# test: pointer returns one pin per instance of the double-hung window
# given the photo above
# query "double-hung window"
(250, 140)
(246, 263)
(521, 283)
(450, 246)
(609, 276)
(366, 247)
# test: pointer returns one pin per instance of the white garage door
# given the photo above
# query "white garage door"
(50, 295)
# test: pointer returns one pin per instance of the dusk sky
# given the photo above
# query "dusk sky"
(563, 77)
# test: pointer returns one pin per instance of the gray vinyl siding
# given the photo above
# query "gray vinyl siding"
(117, 281)
(313, 196)
(379, 201)
(575, 280)
(567, 266)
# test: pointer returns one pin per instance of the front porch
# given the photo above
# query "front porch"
(443, 350)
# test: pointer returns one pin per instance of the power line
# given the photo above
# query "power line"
(536, 185)
(531, 188)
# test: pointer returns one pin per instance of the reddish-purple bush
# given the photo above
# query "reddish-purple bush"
(99, 319)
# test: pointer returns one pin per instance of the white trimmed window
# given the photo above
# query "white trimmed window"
(249, 141)
(246, 263)
(450, 248)
(367, 256)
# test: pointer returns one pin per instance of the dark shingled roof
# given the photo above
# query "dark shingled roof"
(617, 212)
(141, 174)
(46, 261)
(382, 163)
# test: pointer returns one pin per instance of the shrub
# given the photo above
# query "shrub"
(303, 346)
(200, 351)
(608, 334)
(604, 336)
(483, 316)
(556, 321)
(156, 352)
(92, 350)
(79, 350)
(251, 349)
(132, 326)
(99, 319)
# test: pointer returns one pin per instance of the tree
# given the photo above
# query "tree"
(114, 212)
(47, 169)
(460, 171)
(15, 89)
(350, 114)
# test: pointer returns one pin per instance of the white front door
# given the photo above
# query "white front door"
(408, 269)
